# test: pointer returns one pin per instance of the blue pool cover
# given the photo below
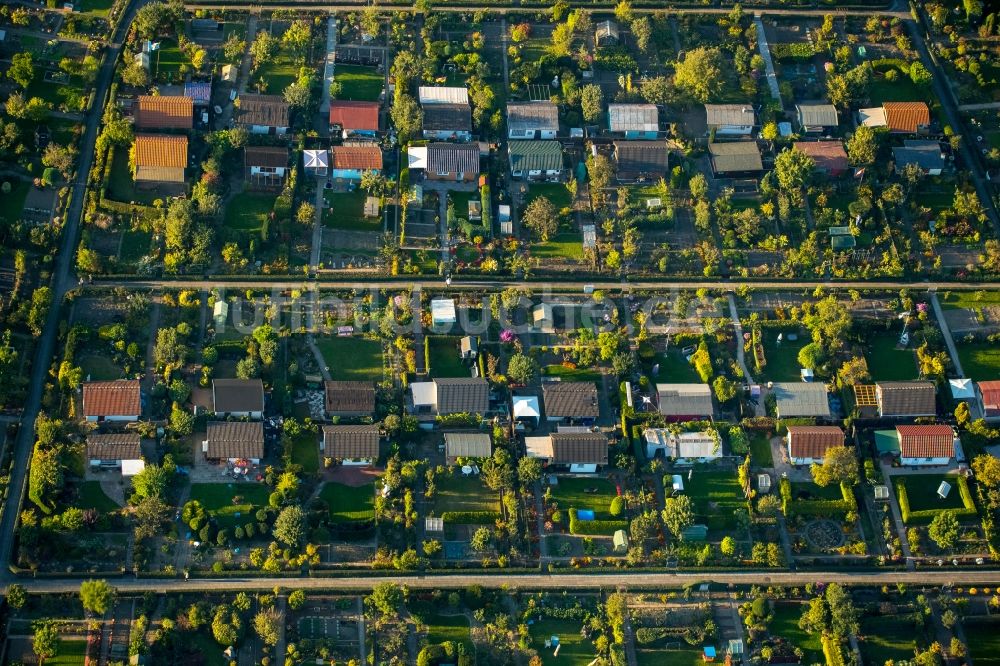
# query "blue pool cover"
(584, 514)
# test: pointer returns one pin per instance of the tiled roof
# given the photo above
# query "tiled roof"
(685, 399)
(118, 446)
(570, 399)
(535, 155)
(642, 156)
(235, 439)
(356, 157)
(121, 397)
(161, 150)
(237, 395)
(266, 156)
(633, 117)
(351, 441)
(738, 115)
(351, 397)
(532, 116)
(735, 156)
(906, 116)
(926, 441)
(351, 115)
(817, 115)
(828, 155)
(467, 445)
(813, 441)
(589, 448)
(801, 399)
(462, 394)
(164, 112)
(448, 117)
(453, 158)
(991, 394)
(198, 91)
(263, 110)
(906, 398)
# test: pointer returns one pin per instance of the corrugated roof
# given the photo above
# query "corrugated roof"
(161, 150)
(354, 115)
(906, 116)
(349, 397)
(262, 110)
(813, 441)
(265, 156)
(735, 157)
(116, 446)
(906, 398)
(467, 445)
(642, 157)
(817, 115)
(801, 399)
(535, 155)
(738, 115)
(926, 441)
(829, 156)
(121, 397)
(364, 157)
(925, 154)
(587, 448)
(351, 441)
(443, 95)
(448, 117)
(570, 399)
(633, 118)
(685, 399)
(532, 116)
(164, 112)
(237, 395)
(462, 394)
(453, 158)
(235, 439)
(873, 117)
(991, 394)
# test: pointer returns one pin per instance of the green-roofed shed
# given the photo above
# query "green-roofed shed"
(887, 441)
(695, 533)
(536, 160)
(841, 238)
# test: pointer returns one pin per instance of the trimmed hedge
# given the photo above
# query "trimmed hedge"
(833, 651)
(926, 515)
(793, 51)
(470, 517)
(598, 527)
(792, 506)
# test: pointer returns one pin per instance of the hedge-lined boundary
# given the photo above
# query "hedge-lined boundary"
(600, 527)
(470, 517)
(793, 507)
(968, 504)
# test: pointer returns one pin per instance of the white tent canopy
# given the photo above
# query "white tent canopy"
(132, 467)
(316, 159)
(962, 389)
(526, 407)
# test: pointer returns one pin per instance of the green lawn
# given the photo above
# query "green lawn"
(984, 643)
(461, 202)
(360, 83)
(92, 497)
(554, 192)
(887, 638)
(305, 452)
(809, 490)
(71, 652)
(247, 212)
(687, 656)
(204, 646)
(921, 490)
(717, 497)
(565, 245)
(121, 186)
(11, 205)
(70, 92)
(135, 245)
(455, 628)
(972, 300)
(980, 360)
(445, 361)
(574, 650)
(900, 90)
(886, 362)
(572, 374)
(463, 493)
(760, 450)
(674, 368)
(231, 504)
(352, 358)
(95, 7)
(98, 367)
(346, 210)
(277, 74)
(349, 504)
(571, 493)
(786, 625)
(935, 200)
(782, 359)
(167, 60)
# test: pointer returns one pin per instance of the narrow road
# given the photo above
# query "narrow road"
(63, 280)
(946, 333)
(765, 53)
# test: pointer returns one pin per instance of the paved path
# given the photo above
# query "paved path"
(328, 68)
(897, 518)
(979, 107)
(946, 332)
(765, 53)
(317, 233)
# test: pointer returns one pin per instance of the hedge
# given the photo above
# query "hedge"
(793, 51)
(968, 504)
(792, 506)
(470, 517)
(600, 527)
(833, 651)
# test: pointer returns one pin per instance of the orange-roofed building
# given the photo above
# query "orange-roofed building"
(990, 392)
(906, 117)
(926, 444)
(119, 400)
(160, 158)
(164, 112)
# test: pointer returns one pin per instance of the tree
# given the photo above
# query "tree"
(811, 356)
(698, 186)
(529, 470)
(498, 471)
(725, 389)
(642, 30)
(41, 301)
(181, 420)
(45, 641)
(298, 94)
(373, 182)
(289, 526)
(135, 74)
(793, 168)
(407, 117)
(22, 69)
(944, 530)
(522, 369)
(678, 514)
(840, 465)
(226, 626)
(623, 11)
(264, 48)
(152, 481)
(96, 596)
(267, 343)
(862, 147)
(699, 75)
(542, 218)
(843, 614)
(297, 599)
(920, 75)
(234, 47)
(17, 596)
(591, 102)
(829, 321)
(987, 470)
(656, 90)
(267, 624)
(482, 540)
(386, 598)
(296, 38)
(728, 546)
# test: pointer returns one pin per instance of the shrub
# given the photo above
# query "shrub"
(617, 506)
(597, 527)
(471, 517)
